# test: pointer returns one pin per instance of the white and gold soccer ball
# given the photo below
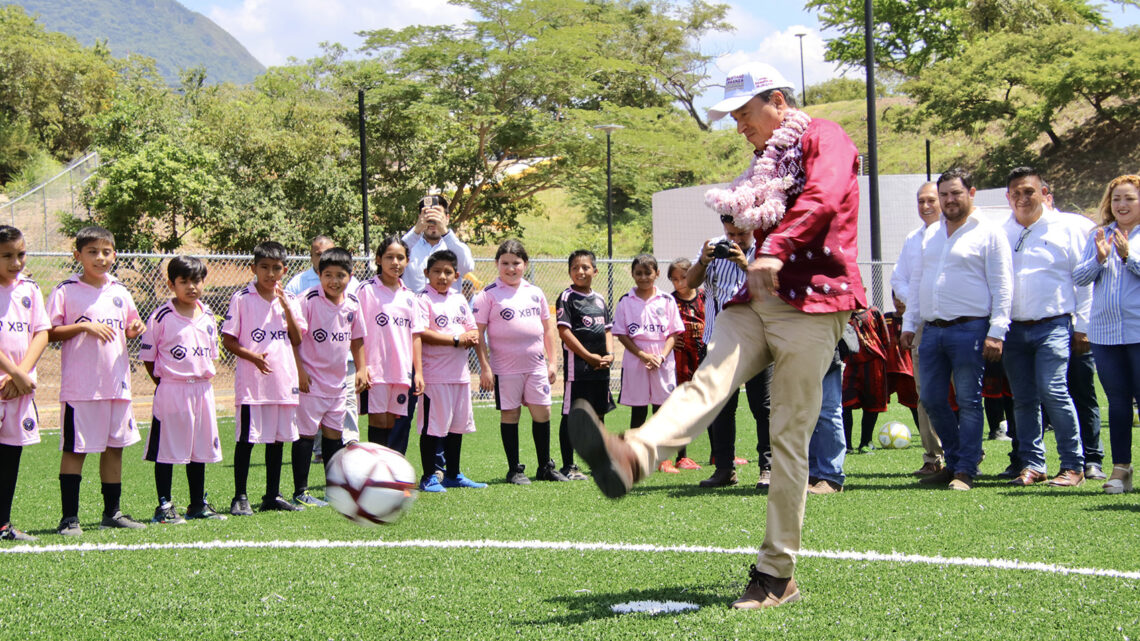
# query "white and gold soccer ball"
(369, 483)
(893, 436)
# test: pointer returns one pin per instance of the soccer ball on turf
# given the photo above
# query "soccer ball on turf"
(369, 483)
(893, 436)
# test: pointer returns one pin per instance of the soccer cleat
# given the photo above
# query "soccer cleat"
(720, 478)
(240, 506)
(205, 511)
(461, 481)
(278, 504)
(120, 520)
(667, 467)
(304, 499)
(431, 484)
(9, 533)
(573, 473)
(687, 463)
(550, 473)
(166, 514)
(69, 527)
(517, 476)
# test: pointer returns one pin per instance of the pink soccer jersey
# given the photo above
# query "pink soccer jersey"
(513, 316)
(449, 314)
(93, 370)
(22, 314)
(391, 317)
(259, 325)
(325, 346)
(181, 348)
(649, 323)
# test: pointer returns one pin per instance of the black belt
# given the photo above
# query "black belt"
(955, 321)
(1039, 320)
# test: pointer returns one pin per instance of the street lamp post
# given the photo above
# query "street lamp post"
(803, 84)
(609, 129)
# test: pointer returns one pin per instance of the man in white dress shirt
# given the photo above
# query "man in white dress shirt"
(1047, 308)
(929, 211)
(961, 291)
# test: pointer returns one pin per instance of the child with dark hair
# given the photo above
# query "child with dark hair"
(690, 348)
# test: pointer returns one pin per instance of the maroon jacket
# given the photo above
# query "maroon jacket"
(818, 238)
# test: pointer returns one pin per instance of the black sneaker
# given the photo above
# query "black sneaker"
(304, 499)
(550, 473)
(518, 476)
(572, 473)
(205, 511)
(69, 527)
(120, 520)
(9, 533)
(278, 504)
(240, 506)
(720, 478)
(165, 513)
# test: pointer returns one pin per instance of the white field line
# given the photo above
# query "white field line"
(892, 557)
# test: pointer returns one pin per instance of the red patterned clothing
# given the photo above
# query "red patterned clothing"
(689, 348)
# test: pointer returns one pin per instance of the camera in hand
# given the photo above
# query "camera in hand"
(723, 249)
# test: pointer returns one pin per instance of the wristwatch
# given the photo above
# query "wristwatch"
(455, 341)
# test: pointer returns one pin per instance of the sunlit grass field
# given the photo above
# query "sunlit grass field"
(363, 589)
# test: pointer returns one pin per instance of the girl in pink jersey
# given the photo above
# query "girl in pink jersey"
(646, 323)
(391, 318)
(516, 319)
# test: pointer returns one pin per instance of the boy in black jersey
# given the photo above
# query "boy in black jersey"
(584, 327)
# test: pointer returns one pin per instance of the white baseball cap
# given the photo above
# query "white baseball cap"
(745, 81)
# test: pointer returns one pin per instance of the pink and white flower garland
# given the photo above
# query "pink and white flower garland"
(757, 197)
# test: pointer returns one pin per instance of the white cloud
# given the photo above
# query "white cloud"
(275, 30)
(781, 49)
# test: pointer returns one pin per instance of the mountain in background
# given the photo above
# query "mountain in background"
(176, 37)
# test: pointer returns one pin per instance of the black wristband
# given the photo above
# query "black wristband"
(455, 341)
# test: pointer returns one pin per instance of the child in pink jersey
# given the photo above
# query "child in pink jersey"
(335, 328)
(93, 315)
(646, 323)
(520, 331)
(26, 323)
(178, 351)
(441, 354)
(391, 319)
(263, 325)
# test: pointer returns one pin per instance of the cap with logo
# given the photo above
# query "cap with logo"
(745, 81)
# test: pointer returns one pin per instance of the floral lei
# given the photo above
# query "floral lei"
(758, 196)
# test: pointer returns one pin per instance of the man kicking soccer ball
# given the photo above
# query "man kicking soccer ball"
(801, 197)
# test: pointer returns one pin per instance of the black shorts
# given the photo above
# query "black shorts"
(597, 393)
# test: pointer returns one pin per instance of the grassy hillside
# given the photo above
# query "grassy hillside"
(174, 36)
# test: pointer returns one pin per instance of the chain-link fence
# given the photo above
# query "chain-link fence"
(145, 276)
(36, 213)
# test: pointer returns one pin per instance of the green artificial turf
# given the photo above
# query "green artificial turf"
(425, 593)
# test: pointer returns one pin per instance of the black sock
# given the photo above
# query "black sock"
(302, 459)
(9, 470)
(914, 417)
(111, 494)
(510, 435)
(69, 494)
(848, 425)
(163, 480)
(682, 453)
(242, 453)
(452, 444)
(540, 431)
(564, 445)
(637, 416)
(428, 446)
(329, 447)
(379, 435)
(867, 423)
(273, 454)
(196, 479)
(995, 411)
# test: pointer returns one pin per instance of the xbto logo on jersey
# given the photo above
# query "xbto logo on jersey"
(381, 319)
(507, 314)
(441, 321)
(320, 335)
(109, 322)
(632, 328)
(19, 326)
(257, 335)
(260, 334)
(178, 352)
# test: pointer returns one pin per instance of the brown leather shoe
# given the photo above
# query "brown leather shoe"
(765, 479)
(941, 477)
(927, 469)
(766, 591)
(1029, 477)
(823, 486)
(611, 459)
(962, 482)
(1068, 478)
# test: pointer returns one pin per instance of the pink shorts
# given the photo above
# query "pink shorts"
(640, 387)
(515, 390)
(383, 398)
(185, 425)
(93, 426)
(263, 424)
(447, 409)
(313, 412)
(19, 421)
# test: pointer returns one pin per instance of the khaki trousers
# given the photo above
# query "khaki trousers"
(745, 340)
(931, 444)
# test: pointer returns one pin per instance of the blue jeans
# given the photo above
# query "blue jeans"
(955, 352)
(1118, 367)
(1036, 359)
(828, 447)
